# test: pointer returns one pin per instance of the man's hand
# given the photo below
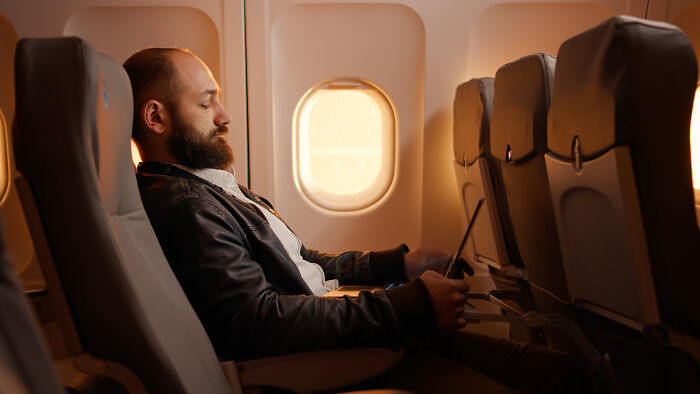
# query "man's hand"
(423, 259)
(448, 297)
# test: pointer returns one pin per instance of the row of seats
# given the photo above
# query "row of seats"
(586, 177)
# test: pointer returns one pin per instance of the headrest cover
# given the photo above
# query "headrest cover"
(472, 118)
(614, 79)
(113, 118)
(521, 101)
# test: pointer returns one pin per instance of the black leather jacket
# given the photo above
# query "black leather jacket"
(246, 290)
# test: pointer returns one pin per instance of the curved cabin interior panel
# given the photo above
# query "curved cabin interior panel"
(368, 125)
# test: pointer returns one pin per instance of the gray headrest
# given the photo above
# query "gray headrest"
(521, 101)
(114, 112)
(608, 84)
(472, 117)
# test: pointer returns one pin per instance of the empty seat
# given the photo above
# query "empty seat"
(620, 179)
(519, 141)
(492, 241)
(478, 177)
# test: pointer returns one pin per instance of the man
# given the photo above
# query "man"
(253, 284)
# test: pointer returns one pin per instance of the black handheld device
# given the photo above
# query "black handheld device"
(458, 262)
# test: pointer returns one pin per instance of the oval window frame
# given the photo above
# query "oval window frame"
(5, 158)
(694, 135)
(379, 188)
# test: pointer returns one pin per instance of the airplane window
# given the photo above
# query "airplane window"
(4, 172)
(345, 136)
(695, 140)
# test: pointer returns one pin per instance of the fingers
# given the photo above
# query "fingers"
(440, 265)
(465, 266)
(448, 297)
(461, 322)
(459, 311)
(462, 285)
(461, 266)
(424, 259)
(431, 274)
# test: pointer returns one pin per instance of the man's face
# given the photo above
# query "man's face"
(199, 120)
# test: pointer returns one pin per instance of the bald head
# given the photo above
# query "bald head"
(178, 115)
(153, 76)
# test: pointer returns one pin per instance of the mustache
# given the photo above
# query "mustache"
(223, 129)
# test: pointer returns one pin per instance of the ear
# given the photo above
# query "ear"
(155, 116)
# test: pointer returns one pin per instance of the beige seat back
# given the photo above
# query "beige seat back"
(72, 144)
(491, 240)
(519, 141)
(620, 174)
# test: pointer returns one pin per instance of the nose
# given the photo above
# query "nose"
(222, 117)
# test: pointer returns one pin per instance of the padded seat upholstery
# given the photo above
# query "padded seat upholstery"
(478, 173)
(478, 176)
(620, 173)
(519, 141)
(23, 354)
(522, 97)
(473, 106)
(71, 140)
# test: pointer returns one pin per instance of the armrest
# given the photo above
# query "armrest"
(315, 371)
(83, 373)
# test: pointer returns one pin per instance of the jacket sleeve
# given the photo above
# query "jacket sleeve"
(363, 268)
(245, 315)
(374, 268)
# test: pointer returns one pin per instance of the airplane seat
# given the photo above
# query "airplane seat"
(620, 179)
(132, 322)
(478, 176)
(25, 364)
(519, 141)
(72, 145)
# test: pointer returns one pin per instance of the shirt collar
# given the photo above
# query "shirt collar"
(221, 178)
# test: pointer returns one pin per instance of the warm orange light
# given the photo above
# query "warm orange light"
(695, 140)
(4, 171)
(344, 144)
(135, 156)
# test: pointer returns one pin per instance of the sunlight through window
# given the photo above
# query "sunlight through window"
(344, 144)
(4, 170)
(135, 156)
(695, 140)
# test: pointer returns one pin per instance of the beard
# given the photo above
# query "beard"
(197, 151)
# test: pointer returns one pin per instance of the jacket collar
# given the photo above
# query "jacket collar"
(159, 168)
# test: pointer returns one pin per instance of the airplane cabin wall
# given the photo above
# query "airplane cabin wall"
(462, 40)
(389, 51)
